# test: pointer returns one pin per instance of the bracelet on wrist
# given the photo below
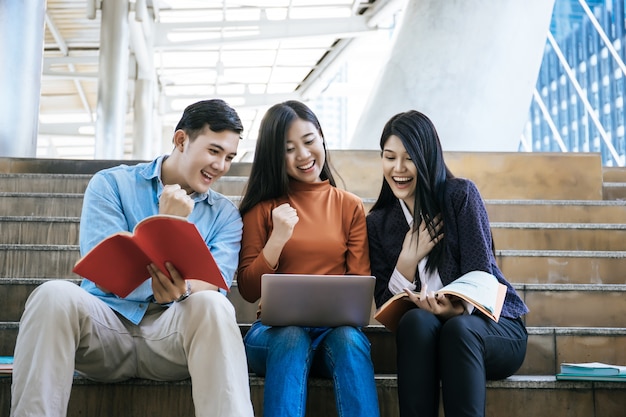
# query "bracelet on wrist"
(186, 294)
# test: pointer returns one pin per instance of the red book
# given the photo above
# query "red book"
(119, 263)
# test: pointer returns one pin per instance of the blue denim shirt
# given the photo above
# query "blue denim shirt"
(118, 198)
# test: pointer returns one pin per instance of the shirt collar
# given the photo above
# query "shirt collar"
(407, 214)
(153, 170)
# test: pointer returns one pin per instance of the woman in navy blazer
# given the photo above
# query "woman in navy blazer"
(427, 229)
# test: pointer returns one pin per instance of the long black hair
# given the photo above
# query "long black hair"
(421, 141)
(268, 175)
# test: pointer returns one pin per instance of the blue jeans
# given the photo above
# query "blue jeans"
(287, 355)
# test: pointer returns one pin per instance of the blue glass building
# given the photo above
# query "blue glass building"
(578, 102)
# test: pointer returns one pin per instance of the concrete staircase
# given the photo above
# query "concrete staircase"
(559, 233)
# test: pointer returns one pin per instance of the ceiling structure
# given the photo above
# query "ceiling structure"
(251, 53)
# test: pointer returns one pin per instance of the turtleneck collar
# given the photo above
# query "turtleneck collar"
(296, 185)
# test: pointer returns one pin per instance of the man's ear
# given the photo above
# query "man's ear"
(179, 139)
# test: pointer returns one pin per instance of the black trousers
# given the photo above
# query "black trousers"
(458, 355)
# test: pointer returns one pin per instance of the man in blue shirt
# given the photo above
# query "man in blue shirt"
(166, 329)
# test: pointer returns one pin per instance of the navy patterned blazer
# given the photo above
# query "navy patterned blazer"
(467, 239)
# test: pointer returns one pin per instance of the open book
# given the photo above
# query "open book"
(119, 263)
(481, 289)
(592, 371)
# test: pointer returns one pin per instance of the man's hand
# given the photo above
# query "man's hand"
(175, 201)
(166, 290)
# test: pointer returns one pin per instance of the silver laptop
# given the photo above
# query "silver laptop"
(316, 300)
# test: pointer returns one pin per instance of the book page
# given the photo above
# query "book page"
(481, 289)
(592, 368)
(477, 287)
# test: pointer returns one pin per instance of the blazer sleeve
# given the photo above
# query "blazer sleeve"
(382, 262)
(472, 230)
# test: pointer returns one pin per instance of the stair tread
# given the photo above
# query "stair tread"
(532, 330)
(511, 382)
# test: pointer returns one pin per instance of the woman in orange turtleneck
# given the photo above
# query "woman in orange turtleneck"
(297, 221)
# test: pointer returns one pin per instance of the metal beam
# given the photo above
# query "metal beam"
(58, 38)
(265, 30)
(548, 119)
(603, 36)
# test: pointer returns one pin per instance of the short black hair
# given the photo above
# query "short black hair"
(215, 113)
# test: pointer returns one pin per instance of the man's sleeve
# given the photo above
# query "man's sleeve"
(225, 242)
(101, 214)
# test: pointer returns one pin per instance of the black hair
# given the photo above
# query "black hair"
(268, 175)
(421, 141)
(215, 113)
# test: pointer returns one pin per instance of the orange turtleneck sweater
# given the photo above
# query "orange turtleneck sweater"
(329, 239)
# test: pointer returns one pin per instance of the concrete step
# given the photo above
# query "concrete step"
(549, 304)
(500, 211)
(562, 267)
(614, 191)
(548, 347)
(497, 174)
(522, 266)
(574, 305)
(561, 329)
(38, 261)
(76, 183)
(517, 396)
(43, 183)
(560, 305)
(41, 204)
(39, 230)
(507, 235)
(614, 174)
(549, 344)
(556, 211)
(560, 236)
(49, 166)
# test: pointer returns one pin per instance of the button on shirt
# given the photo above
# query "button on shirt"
(118, 198)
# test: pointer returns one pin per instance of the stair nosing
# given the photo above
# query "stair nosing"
(555, 225)
(560, 253)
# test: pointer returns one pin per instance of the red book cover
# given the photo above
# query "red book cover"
(119, 263)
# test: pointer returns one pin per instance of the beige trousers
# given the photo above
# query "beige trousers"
(64, 328)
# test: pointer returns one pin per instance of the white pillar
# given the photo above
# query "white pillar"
(21, 60)
(143, 110)
(113, 80)
(469, 65)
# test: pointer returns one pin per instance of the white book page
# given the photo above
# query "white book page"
(478, 286)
